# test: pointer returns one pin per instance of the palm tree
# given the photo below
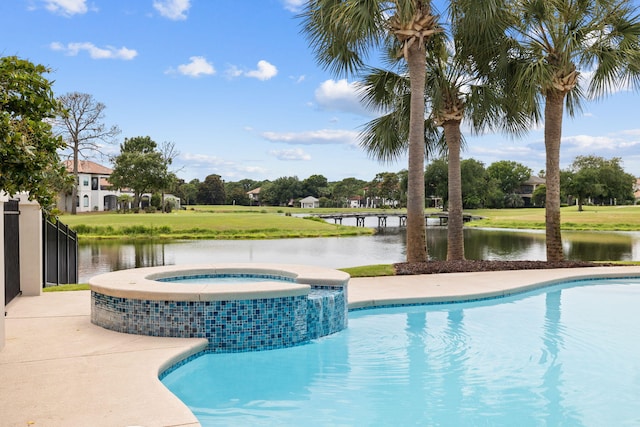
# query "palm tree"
(454, 92)
(342, 33)
(547, 43)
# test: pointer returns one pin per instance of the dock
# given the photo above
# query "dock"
(443, 217)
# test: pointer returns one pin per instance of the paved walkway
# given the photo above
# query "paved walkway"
(58, 369)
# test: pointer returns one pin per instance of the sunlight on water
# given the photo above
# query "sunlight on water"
(565, 356)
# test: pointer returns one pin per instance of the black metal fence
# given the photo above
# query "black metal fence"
(60, 257)
(11, 250)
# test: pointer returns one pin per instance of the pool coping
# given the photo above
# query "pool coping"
(142, 284)
(105, 378)
(455, 287)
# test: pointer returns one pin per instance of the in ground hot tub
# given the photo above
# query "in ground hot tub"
(264, 306)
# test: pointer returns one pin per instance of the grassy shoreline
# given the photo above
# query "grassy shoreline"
(593, 218)
(204, 224)
(244, 222)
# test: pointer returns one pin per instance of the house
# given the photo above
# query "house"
(528, 187)
(254, 196)
(94, 193)
(173, 199)
(309, 202)
(636, 190)
(355, 201)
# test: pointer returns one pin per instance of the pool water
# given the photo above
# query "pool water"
(225, 279)
(566, 355)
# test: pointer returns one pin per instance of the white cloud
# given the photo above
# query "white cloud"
(265, 71)
(199, 66)
(204, 159)
(232, 71)
(316, 137)
(293, 5)
(298, 79)
(340, 96)
(630, 132)
(624, 144)
(108, 52)
(173, 9)
(66, 7)
(519, 151)
(589, 142)
(289, 155)
(206, 164)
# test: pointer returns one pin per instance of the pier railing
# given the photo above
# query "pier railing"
(443, 217)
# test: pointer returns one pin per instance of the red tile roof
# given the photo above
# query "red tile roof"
(87, 166)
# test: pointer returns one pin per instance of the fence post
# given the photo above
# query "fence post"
(2, 284)
(30, 247)
(57, 251)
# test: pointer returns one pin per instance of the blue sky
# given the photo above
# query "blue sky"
(235, 86)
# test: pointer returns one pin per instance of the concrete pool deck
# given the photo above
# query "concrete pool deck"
(58, 369)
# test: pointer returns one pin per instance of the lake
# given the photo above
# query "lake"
(386, 247)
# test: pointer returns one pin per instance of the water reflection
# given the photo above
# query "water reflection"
(388, 246)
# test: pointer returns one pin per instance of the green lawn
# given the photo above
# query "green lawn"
(602, 218)
(205, 224)
(243, 222)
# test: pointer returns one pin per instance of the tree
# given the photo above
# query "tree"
(187, 191)
(281, 191)
(316, 186)
(386, 187)
(348, 187)
(169, 179)
(82, 128)
(248, 184)
(436, 180)
(455, 92)
(593, 177)
(617, 184)
(509, 174)
(544, 45)
(139, 166)
(236, 194)
(581, 184)
(28, 148)
(475, 184)
(342, 33)
(211, 191)
(124, 202)
(539, 195)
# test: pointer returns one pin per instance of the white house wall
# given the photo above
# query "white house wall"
(94, 198)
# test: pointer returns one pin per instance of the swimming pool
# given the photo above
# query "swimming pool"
(565, 355)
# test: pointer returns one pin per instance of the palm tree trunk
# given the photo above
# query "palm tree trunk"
(416, 224)
(455, 224)
(553, 110)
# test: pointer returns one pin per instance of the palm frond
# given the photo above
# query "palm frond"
(385, 138)
(343, 33)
